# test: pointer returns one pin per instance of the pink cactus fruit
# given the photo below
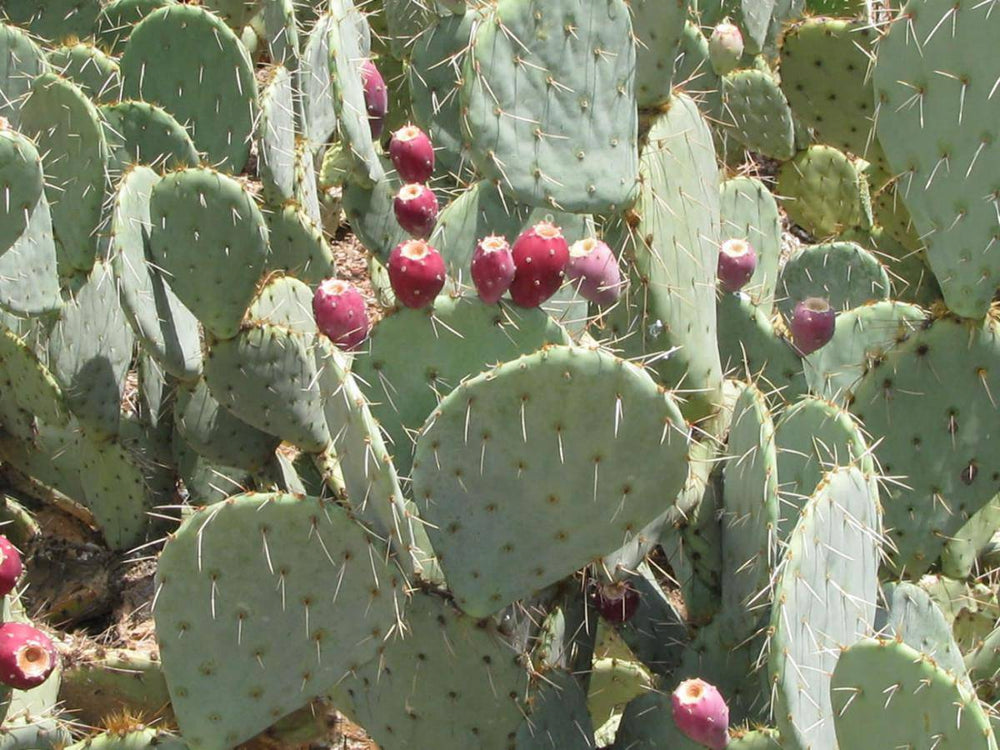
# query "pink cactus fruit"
(340, 313)
(593, 269)
(416, 209)
(10, 566)
(416, 272)
(492, 268)
(701, 713)
(813, 324)
(737, 262)
(725, 48)
(376, 97)
(27, 656)
(412, 154)
(540, 257)
(616, 602)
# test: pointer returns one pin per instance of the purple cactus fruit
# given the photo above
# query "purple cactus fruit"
(540, 257)
(412, 154)
(10, 566)
(617, 602)
(416, 273)
(701, 713)
(725, 48)
(813, 324)
(737, 262)
(492, 268)
(27, 656)
(340, 313)
(416, 209)
(594, 271)
(376, 97)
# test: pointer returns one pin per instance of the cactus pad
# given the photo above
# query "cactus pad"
(143, 133)
(825, 192)
(749, 212)
(21, 185)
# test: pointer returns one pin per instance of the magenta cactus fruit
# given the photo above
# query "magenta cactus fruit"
(340, 313)
(412, 154)
(540, 257)
(416, 273)
(737, 262)
(27, 656)
(492, 268)
(416, 209)
(616, 602)
(594, 271)
(10, 566)
(725, 48)
(813, 324)
(376, 97)
(701, 713)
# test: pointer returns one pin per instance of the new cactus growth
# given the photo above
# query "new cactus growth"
(813, 323)
(416, 210)
(737, 263)
(416, 272)
(412, 154)
(701, 713)
(27, 656)
(492, 268)
(540, 257)
(340, 313)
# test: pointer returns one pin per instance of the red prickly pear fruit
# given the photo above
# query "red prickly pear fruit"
(416, 273)
(416, 209)
(701, 713)
(10, 566)
(27, 656)
(412, 154)
(737, 262)
(593, 269)
(540, 257)
(725, 48)
(616, 602)
(813, 324)
(340, 313)
(376, 97)
(492, 268)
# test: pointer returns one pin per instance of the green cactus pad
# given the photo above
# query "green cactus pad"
(93, 71)
(890, 691)
(188, 61)
(167, 329)
(67, 129)
(284, 302)
(28, 381)
(550, 96)
(813, 437)
(944, 379)
(749, 212)
(204, 482)
(210, 239)
(862, 336)
(370, 213)
(117, 19)
(115, 490)
(236, 13)
(656, 633)
(54, 19)
(90, 351)
(140, 739)
(961, 552)
(694, 74)
(658, 28)
(843, 273)
(21, 60)
(558, 718)
(419, 356)
(825, 192)
(328, 599)
(21, 185)
(483, 470)
(757, 113)
(758, 739)
(275, 24)
(670, 304)
(824, 600)
(216, 434)
(143, 133)
(648, 724)
(276, 136)
(937, 116)
(297, 245)
(318, 113)
(911, 277)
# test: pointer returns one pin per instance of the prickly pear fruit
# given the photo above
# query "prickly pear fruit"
(376, 97)
(737, 262)
(10, 566)
(492, 268)
(593, 269)
(616, 602)
(340, 313)
(27, 656)
(725, 48)
(412, 154)
(701, 713)
(540, 257)
(416, 272)
(813, 323)
(416, 209)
